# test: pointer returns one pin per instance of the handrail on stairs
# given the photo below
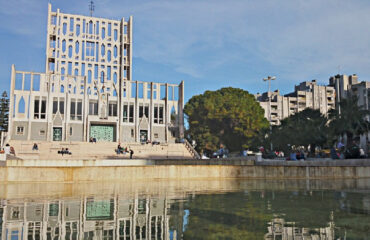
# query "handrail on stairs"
(191, 149)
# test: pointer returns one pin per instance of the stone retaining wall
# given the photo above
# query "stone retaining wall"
(179, 172)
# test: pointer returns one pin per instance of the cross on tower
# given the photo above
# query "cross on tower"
(91, 7)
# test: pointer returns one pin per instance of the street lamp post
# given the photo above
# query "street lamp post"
(269, 78)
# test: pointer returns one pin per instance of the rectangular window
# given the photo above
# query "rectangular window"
(69, 68)
(20, 130)
(161, 114)
(93, 108)
(39, 111)
(79, 110)
(125, 112)
(61, 106)
(113, 109)
(73, 110)
(132, 113)
(36, 109)
(141, 111)
(90, 49)
(146, 110)
(43, 109)
(55, 105)
(155, 113)
(96, 72)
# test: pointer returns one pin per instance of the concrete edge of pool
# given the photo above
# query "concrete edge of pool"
(113, 170)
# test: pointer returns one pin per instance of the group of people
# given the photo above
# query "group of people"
(352, 151)
(64, 151)
(125, 150)
(9, 149)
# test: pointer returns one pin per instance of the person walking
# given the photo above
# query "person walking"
(131, 153)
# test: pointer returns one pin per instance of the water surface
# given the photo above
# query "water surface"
(215, 209)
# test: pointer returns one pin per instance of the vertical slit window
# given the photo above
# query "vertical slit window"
(36, 109)
(83, 50)
(90, 27)
(115, 35)
(109, 73)
(89, 76)
(71, 24)
(125, 113)
(103, 33)
(97, 51)
(64, 45)
(155, 113)
(78, 30)
(64, 28)
(115, 77)
(109, 56)
(97, 28)
(96, 72)
(109, 29)
(77, 47)
(61, 106)
(83, 69)
(70, 50)
(161, 114)
(102, 50)
(115, 51)
(132, 113)
(69, 68)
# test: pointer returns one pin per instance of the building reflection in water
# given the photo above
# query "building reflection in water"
(279, 229)
(88, 218)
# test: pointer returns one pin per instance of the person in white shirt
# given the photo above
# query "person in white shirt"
(7, 149)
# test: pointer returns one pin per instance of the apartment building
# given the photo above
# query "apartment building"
(306, 95)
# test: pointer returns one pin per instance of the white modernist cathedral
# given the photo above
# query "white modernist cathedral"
(87, 89)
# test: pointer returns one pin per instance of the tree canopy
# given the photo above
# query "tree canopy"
(229, 116)
(308, 127)
(349, 119)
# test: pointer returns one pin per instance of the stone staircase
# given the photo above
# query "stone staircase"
(100, 150)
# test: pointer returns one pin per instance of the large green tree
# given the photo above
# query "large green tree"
(4, 111)
(229, 116)
(308, 127)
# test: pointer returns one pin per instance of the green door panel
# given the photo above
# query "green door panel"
(102, 132)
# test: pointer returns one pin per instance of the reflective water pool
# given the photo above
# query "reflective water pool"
(217, 209)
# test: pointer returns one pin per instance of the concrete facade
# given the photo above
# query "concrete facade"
(346, 86)
(306, 95)
(87, 89)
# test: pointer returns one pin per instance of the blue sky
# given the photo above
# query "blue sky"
(211, 43)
